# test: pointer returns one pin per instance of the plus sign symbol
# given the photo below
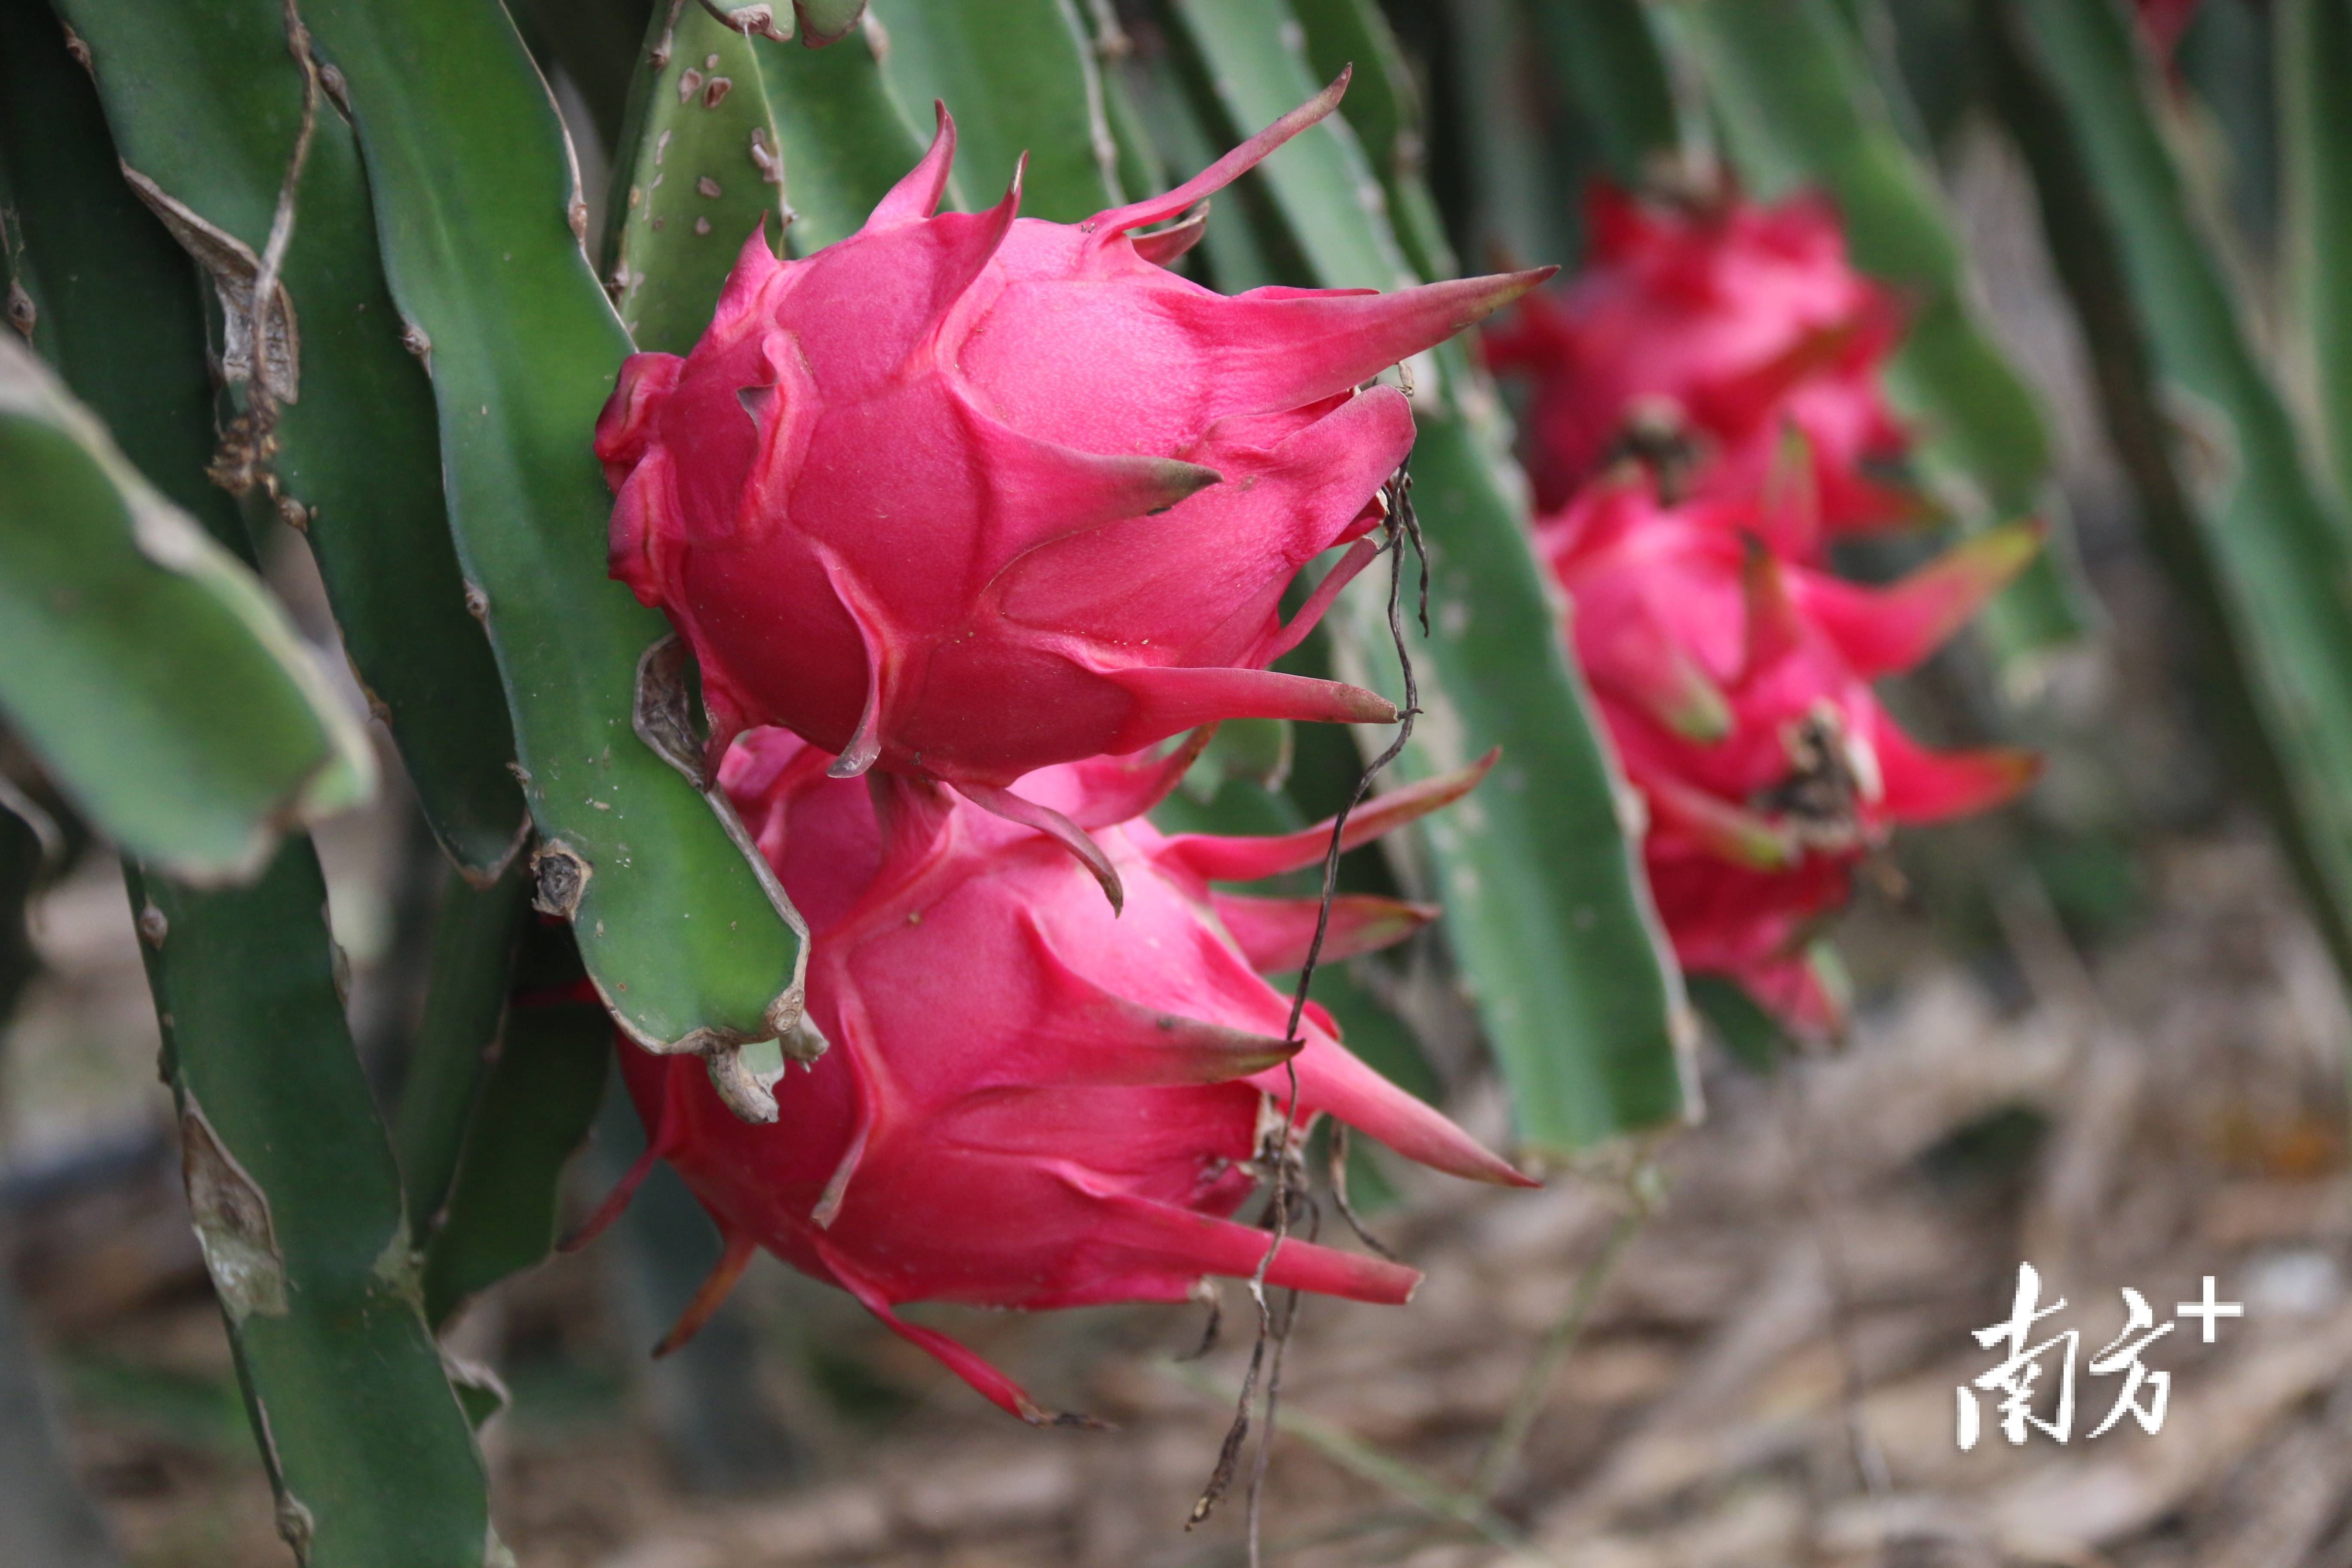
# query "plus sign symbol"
(2209, 1310)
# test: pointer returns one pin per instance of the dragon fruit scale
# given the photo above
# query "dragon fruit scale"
(1726, 324)
(1736, 687)
(1027, 1104)
(967, 495)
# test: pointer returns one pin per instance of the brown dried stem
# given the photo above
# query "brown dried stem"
(1403, 527)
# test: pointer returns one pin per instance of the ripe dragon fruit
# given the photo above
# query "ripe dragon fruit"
(1027, 1104)
(1732, 325)
(966, 495)
(1736, 687)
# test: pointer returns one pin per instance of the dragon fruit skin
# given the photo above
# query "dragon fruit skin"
(1743, 322)
(965, 495)
(1027, 1105)
(1735, 688)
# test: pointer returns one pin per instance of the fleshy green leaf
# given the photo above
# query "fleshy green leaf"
(2315, 64)
(845, 140)
(297, 1203)
(699, 173)
(156, 679)
(2230, 60)
(1139, 168)
(536, 1106)
(597, 44)
(1332, 208)
(2233, 510)
(1546, 913)
(1243, 751)
(96, 284)
(1748, 1032)
(500, 1096)
(1520, 212)
(135, 636)
(1235, 806)
(1382, 104)
(1607, 52)
(1019, 76)
(1385, 109)
(1235, 258)
(689, 942)
(464, 997)
(822, 21)
(206, 103)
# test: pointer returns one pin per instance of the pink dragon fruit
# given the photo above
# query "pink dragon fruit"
(1736, 687)
(1025, 1104)
(1738, 325)
(966, 495)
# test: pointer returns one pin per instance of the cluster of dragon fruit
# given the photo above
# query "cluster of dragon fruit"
(977, 525)
(1705, 422)
(966, 518)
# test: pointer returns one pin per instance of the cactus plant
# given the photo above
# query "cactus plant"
(989, 483)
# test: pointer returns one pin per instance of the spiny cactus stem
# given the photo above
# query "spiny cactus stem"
(1112, 41)
(249, 443)
(659, 56)
(759, 19)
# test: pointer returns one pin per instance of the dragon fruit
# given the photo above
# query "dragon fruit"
(1736, 687)
(1028, 1105)
(966, 495)
(1735, 327)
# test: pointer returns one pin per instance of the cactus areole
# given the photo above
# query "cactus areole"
(966, 494)
(1030, 1103)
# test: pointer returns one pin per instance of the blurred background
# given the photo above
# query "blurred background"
(2100, 1030)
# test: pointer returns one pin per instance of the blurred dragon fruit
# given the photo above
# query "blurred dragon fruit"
(2161, 23)
(1028, 1104)
(1727, 326)
(1736, 687)
(964, 495)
